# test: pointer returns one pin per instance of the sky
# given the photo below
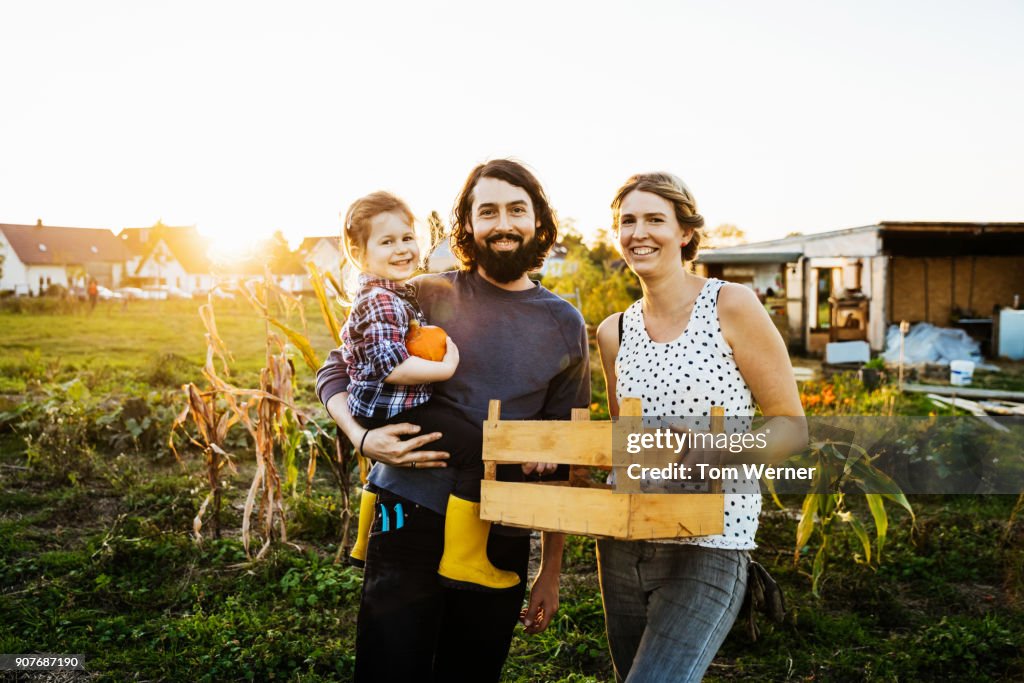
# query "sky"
(246, 117)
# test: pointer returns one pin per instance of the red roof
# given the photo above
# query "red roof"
(48, 245)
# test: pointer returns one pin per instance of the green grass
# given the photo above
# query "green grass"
(106, 566)
(157, 343)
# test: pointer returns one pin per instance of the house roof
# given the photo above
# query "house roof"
(719, 256)
(789, 249)
(49, 245)
(310, 242)
(185, 243)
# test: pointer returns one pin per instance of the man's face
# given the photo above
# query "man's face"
(503, 226)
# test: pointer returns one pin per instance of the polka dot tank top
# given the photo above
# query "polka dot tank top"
(684, 378)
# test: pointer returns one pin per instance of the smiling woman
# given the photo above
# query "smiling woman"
(687, 345)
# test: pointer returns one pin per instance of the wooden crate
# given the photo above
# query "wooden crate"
(580, 506)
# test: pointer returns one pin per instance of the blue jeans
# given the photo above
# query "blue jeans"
(668, 607)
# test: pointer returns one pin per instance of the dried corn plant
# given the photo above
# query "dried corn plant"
(274, 423)
(263, 295)
(212, 432)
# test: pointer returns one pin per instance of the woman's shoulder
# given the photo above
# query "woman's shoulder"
(735, 299)
(608, 329)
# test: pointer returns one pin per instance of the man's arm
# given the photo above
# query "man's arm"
(384, 444)
(569, 389)
(544, 591)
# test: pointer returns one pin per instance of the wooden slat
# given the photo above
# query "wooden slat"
(965, 392)
(588, 512)
(678, 515)
(565, 443)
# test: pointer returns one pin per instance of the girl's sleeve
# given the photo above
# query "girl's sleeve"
(381, 326)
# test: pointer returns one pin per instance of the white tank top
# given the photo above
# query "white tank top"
(684, 378)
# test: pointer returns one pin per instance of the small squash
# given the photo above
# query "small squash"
(426, 341)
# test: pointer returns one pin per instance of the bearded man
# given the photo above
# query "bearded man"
(517, 342)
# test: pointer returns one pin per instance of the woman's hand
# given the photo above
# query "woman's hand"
(541, 468)
(385, 444)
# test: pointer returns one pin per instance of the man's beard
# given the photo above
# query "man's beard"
(507, 266)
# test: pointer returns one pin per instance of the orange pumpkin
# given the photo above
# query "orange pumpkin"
(426, 341)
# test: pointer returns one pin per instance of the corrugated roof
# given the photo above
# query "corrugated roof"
(51, 245)
(716, 256)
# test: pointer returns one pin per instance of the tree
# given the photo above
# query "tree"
(724, 235)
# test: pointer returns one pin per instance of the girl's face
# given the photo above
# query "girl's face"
(649, 234)
(391, 250)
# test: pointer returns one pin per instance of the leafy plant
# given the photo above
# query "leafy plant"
(839, 467)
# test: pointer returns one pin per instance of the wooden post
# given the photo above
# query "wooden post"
(579, 475)
(904, 328)
(717, 427)
(493, 415)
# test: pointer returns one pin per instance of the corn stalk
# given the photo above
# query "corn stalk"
(212, 432)
(268, 414)
(261, 295)
(837, 467)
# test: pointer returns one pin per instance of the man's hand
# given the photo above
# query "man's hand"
(385, 444)
(541, 468)
(543, 603)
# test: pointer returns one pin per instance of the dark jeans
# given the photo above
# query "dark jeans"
(410, 626)
(460, 438)
(668, 607)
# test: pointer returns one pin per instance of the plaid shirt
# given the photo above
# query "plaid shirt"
(373, 345)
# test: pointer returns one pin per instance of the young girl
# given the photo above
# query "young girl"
(390, 386)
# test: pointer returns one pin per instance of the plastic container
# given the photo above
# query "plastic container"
(961, 372)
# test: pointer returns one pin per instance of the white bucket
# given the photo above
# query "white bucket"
(961, 372)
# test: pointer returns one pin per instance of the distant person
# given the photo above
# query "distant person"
(94, 293)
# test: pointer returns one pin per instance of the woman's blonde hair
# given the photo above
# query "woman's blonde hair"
(672, 189)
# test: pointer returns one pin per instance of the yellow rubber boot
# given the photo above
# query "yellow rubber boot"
(367, 508)
(465, 560)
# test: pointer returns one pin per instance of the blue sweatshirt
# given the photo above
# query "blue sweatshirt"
(528, 349)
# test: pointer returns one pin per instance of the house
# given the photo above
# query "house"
(441, 258)
(852, 284)
(326, 254)
(555, 264)
(37, 256)
(167, 255)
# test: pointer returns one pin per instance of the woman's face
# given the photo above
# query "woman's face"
(649, 233)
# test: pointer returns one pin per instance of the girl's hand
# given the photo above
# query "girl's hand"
(451, 357)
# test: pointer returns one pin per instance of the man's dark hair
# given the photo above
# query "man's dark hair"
(513, 173)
